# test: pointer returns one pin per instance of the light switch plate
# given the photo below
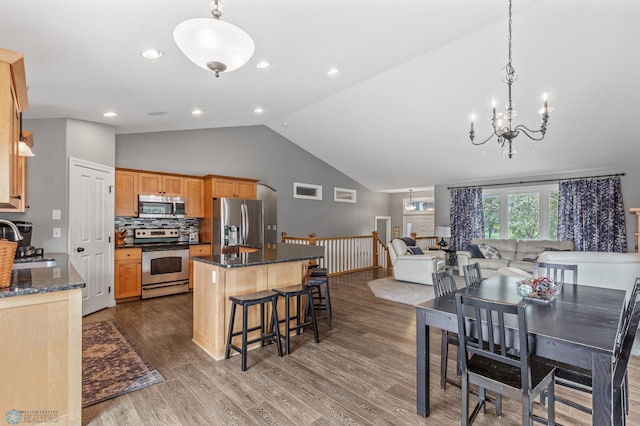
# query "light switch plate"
(55, 214)
(57, 232)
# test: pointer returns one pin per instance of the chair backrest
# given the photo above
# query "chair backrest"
(490, 341)
(472, 274)
(556, 272)
(629, 331)
(443, 283)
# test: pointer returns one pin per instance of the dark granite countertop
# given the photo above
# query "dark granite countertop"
(282, 253)
(63, 276)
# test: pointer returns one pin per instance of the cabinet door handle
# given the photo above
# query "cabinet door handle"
(80, 249)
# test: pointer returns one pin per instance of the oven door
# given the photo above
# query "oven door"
(165, 266)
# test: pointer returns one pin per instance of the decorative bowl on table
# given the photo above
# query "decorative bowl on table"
(541, 289)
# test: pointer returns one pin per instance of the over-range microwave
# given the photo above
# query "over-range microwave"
(157, 206)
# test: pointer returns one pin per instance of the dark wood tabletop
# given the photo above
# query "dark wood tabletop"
(579, 328)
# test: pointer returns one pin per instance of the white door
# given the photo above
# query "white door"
(91, 231)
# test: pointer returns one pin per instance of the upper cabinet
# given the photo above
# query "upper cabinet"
(13, 101)
(229, 187)
(160, 184)
(131, 183)
(194, 197)
(126, 196)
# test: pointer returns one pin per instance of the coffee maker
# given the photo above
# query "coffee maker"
(24, 249)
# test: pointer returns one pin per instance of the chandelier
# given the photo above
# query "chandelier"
(411, 205)
(213, 44)
(508, 133)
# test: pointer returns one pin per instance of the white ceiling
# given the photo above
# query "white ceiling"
(396, 116)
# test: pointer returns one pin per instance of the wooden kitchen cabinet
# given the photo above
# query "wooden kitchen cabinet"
(128, 273)
(228, 187)
(197, 250)
(160, 184)
(126, 197)
(13, 100)
(194, 197)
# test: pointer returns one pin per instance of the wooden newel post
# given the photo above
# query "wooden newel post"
(375, 249)
(284, 237)
(312, 242)
(414, 236)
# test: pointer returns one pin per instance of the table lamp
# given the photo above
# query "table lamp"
(442, 232)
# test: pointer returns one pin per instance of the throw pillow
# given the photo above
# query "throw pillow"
(415, 250)
(410, 242)
(532, 256)
(489, 252)
(475, 251)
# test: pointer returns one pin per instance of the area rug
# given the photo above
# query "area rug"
(404, 292)
(111, 364)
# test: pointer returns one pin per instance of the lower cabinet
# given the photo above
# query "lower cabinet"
(128, 273)
(197, 250)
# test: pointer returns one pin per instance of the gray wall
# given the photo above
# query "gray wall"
(260, 153)
(630, 194)
(55, 140)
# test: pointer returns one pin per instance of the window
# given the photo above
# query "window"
(423, 205)
(307, 191)
(523, 213)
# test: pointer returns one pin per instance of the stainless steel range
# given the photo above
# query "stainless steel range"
(165, 261)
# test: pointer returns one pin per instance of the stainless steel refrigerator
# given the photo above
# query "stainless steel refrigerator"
(237, 225)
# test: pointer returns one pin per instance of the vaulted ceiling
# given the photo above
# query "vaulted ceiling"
(396, 116)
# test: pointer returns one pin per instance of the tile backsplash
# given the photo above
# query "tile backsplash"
(186, 226)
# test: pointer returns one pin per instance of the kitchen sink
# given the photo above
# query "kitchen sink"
(35, 263)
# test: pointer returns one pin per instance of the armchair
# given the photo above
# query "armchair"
(414, 268)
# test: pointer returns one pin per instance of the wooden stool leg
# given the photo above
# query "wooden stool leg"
(276, 324)
(227, 351)
(313, 315)
(245, 325)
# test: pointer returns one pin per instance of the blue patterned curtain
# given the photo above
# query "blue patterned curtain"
(591, 214)
(467, 217)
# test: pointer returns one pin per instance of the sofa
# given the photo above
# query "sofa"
(414, 268)
(507, 253)
(600, 269)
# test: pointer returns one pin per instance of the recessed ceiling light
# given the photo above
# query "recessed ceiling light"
(333, 71)
(152, 54)
(110, 114)
(258, 110)
(284, 124)
(197, 112)
(263, 64)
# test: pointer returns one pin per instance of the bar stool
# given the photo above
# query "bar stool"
(319, 281)
(273, 335)
(297, 291)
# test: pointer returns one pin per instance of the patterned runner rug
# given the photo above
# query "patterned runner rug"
(111, 364)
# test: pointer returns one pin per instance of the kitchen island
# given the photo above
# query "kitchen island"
(41, 317)
(217, 277)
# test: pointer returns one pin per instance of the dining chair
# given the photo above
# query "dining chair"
(444, 283)
(472, 274)
(581, 380)
(487, 362)
(556, 272)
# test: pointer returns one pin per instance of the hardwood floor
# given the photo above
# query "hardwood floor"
(362, 372)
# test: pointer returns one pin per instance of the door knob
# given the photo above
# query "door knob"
(80, 249)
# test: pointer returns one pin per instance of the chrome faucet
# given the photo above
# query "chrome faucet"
(16, 233)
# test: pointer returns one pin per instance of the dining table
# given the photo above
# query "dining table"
(580, 328)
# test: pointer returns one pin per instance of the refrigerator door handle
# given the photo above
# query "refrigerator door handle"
(245, 224)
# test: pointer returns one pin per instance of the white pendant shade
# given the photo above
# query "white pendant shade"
(24, 150)
(213, 44)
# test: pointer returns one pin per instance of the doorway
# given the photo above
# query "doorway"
(383, 227)
(91, 219)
